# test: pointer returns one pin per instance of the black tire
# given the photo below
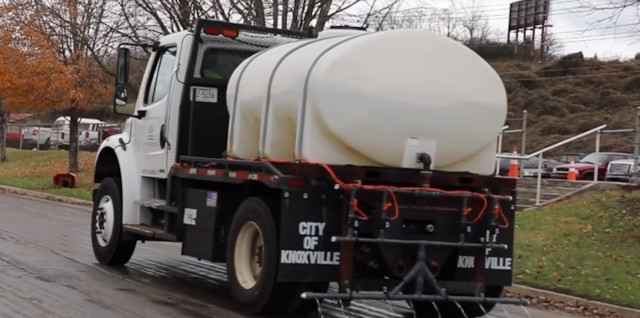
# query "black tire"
(261, 294)
(451, 310)
(115, 251)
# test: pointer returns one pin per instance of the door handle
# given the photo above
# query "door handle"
(163, 140)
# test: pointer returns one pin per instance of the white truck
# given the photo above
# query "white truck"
(87, 132)
(36, 137)
(363, 159)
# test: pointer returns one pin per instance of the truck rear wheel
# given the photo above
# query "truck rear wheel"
(451, 310)
(106, 226)
(252, 263)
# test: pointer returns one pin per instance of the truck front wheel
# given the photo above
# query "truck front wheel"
(252, 263)
(106, 226)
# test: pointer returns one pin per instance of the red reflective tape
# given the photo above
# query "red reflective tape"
(202, 172)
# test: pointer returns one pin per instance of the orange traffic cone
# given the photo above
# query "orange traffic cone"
(513, 165)
(572, 171)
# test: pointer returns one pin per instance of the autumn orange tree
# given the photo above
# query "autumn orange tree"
(67, 44)
(31, 75)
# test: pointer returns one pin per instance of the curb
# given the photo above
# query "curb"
(623, 312)
(45, 196)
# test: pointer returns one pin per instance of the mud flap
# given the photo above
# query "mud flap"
(493, 267)
(308, 219)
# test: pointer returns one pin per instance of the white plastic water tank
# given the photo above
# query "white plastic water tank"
(364, 98)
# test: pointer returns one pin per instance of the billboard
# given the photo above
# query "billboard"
(528, 14)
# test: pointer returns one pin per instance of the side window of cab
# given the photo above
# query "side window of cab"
(158, 86)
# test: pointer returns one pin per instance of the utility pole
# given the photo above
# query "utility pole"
(523, 148)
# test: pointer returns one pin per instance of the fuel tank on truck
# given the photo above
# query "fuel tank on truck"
(373, 99)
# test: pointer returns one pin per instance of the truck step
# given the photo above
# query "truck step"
(158, 204)
(149, 231)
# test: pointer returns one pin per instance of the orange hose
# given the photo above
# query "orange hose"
(394, 201)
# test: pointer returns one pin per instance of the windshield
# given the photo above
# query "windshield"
(594, 158)
(567, 158)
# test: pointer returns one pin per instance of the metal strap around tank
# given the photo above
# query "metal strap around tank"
(267, 106)
(232, 120)
(303, 110)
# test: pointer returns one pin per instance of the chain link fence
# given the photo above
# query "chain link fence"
(56, 136)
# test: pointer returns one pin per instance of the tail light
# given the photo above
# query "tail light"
(34, 132)
(217, 31)
(86, 134)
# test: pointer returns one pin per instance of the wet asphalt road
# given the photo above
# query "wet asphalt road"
(47, 269)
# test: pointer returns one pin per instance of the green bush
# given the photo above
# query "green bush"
(609, 99)
(547, 105)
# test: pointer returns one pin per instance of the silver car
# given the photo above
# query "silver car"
(620, 170)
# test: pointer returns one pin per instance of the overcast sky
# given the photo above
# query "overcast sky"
(575, 26)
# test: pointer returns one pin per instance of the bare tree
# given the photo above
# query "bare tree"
(476, 29)
(145, 19)
(552, 47)
(615, 8)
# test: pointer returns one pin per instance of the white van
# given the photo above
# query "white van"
(87, 130)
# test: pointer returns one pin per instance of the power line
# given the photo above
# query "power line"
(585, 37)
(569, 76)
(571, 40)
(417, 14)
(480, 9)
(564, 69)
(633, 35)
(600, 28)
(457, 13)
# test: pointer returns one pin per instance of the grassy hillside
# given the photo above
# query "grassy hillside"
(567, 97)
(587, 246)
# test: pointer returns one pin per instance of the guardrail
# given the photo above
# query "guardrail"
(539, 153)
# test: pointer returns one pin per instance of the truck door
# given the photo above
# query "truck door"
(149, 130)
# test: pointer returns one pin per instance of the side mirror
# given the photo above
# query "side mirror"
(121, 96)
(122, 71)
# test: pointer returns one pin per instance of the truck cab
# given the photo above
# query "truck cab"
(287, 229)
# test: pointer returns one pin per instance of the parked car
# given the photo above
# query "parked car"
(529, 167)
(620, 170)
(36, 137)
(585, 168)
(92, 143)
(87, 131)
(567, 156)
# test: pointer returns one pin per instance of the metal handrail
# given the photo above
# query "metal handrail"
(539, 153)
(556, 145)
